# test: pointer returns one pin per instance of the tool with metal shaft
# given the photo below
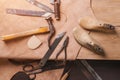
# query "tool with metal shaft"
(52, 30)
(25, 12)
(57, 9)
(51, 49)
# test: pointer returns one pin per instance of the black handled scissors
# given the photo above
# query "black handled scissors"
(31, 70)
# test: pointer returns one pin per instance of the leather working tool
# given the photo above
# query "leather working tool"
(64, 47)
(37, 13)
(52, 29)
(40, 30)
(40, 5)
(28, 75)
(47, 11)
(28, 12)
(56, 4)
(57, 9)
(33, 70)
(52, 48)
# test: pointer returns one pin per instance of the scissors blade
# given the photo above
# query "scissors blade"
(40, 5)
(51, 49)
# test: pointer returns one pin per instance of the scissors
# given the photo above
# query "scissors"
(31, 70)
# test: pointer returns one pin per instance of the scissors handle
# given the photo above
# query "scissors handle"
(28, 68)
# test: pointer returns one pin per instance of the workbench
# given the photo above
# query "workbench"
(71, 12)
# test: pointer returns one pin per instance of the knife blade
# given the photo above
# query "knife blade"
(40, 5)
(50, 50)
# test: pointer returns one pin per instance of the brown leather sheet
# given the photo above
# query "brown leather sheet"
(71, 11)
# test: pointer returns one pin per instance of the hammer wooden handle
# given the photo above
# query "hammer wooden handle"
(25, 33)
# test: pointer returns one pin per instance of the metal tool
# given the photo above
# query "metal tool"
(52, 48)
(27, 74)
(27, 12)
(64, 47)
(52, 29)
(91, 70)
(40, 30)
(56, 4)
(40, 5)
(31, 70)
(57, 9)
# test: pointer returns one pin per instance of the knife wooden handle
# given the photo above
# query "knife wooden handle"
(25, 33)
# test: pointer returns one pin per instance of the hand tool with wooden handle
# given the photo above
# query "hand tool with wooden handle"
(25, 33)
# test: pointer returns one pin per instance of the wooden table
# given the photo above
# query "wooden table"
(71, 11)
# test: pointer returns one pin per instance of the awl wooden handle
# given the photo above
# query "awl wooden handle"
(25, 33)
